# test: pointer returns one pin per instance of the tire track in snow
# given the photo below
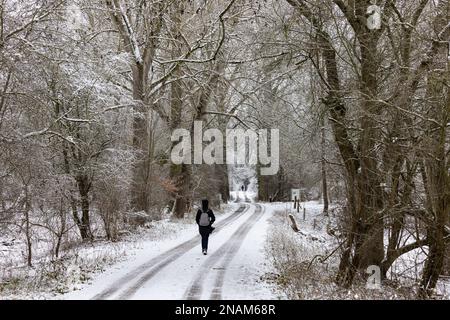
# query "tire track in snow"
(129, 292)
(232, 251)
(160, 261)
(227, 251)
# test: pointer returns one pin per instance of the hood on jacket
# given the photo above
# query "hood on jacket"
(205, 204)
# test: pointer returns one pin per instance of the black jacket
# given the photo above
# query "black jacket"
(212, 218)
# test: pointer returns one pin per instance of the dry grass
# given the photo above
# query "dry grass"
(291, 253)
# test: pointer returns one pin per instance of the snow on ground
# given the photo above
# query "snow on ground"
(138, 256)
(165, 261)
(242, 276)
(243, 196)
(309, 218)
(235, 267)
(408, 270)
(82, 264)
(244, 279)
(313, 239)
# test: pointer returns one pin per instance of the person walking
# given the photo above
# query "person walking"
(205, 218)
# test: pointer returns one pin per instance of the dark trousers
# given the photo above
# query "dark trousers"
(204, 232)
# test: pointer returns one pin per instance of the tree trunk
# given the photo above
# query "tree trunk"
(28, 228)
(58, 244)
(62, 229)
(438, 179)
(263, 194)
(223, 186)
(370, 193)
(178, 172)
(182, 200)
(324, 172)
(140, 171)
(83, 188)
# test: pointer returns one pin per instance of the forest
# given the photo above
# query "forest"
(92, 91)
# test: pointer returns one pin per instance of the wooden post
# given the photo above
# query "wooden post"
(304, 213)
(293, 223)
(295, 202)
(298, 207)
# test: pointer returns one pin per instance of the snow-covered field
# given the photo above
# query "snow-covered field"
(79, 266)
(292, 253)
(232, 270)
(249, 251)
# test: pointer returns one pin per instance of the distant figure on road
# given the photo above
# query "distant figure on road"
(245, 186)
(242, 188)
(205, 218)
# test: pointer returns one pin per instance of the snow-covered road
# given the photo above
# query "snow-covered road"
(231, 270)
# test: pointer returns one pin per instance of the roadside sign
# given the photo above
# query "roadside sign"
(295, 193)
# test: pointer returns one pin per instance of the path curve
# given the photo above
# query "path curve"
(159, 262)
